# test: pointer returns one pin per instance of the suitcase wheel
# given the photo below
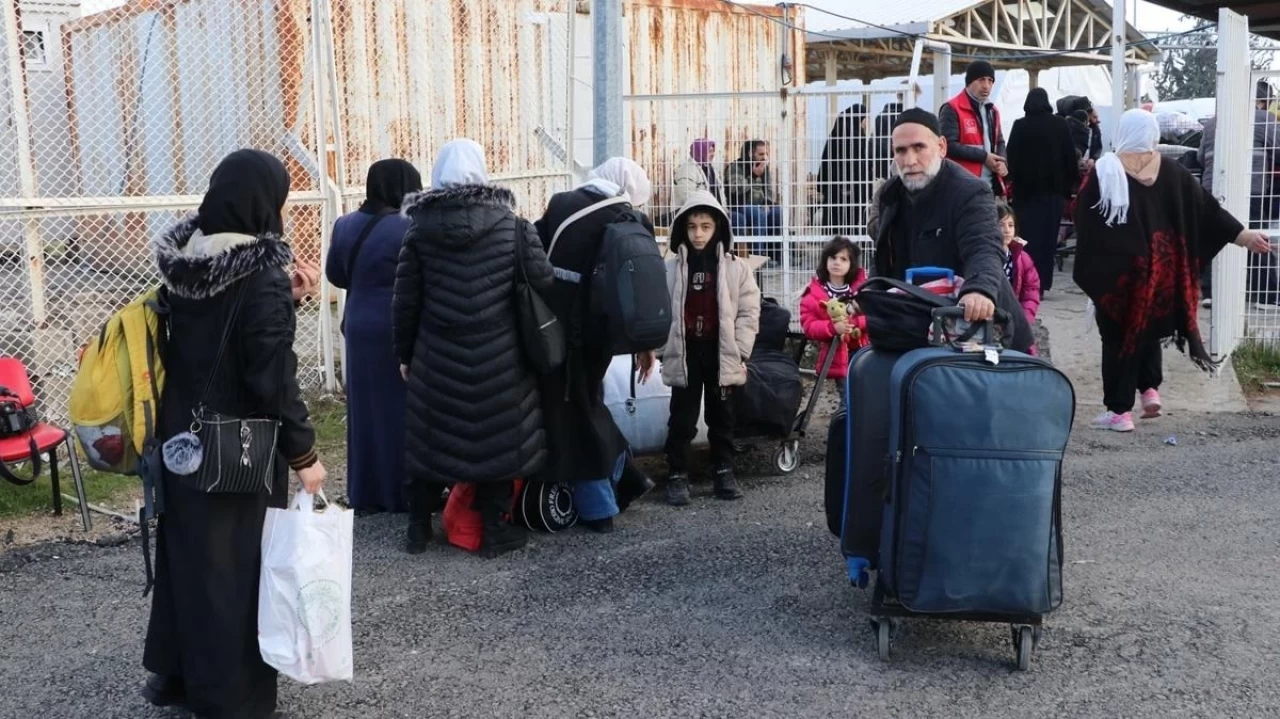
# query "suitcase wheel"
(1025, 639)
(884, 629)
(787, 457)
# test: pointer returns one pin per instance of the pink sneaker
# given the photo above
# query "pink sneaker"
(1114, 422)
(1151, 404)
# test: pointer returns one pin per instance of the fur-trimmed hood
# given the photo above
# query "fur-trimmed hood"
(203, 276)
(459, 215)
(459, 195)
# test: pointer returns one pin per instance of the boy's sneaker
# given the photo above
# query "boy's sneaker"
(678, 489)
(1151, 404)
(726, 485)
(1114, 422)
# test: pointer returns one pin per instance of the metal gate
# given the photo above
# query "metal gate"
(810, 198)
(1231, 177)
(111, 124)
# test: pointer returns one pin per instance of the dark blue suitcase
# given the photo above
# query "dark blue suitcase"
(863, 451)
(973, 520)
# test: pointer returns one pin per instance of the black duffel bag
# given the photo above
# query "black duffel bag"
(770, 401)
(900, 314)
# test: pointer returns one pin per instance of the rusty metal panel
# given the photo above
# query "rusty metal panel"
(723, 65)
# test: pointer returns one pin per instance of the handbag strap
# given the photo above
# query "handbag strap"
(619, 200)
(222, 344)
(364, 235)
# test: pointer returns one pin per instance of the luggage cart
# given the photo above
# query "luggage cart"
(786, 458)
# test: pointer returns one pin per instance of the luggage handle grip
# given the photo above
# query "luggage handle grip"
(938, 336)
(914, 272)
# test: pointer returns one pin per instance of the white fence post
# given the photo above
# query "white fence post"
(26, 165)
(1232, 171)
(331, 207)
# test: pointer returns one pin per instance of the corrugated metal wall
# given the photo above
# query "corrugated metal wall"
(680, 47)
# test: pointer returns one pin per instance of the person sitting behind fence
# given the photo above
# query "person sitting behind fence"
(838, 277)
(696, 173)
(753, 196)
(715, 305)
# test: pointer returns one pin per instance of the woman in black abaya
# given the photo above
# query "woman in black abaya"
(202, 643)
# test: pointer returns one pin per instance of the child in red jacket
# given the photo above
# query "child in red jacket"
(1019, 267)
(838, 277)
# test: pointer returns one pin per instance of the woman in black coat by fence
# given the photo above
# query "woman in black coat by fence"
(843, 173)
(202, 642)
(1043, 171)
(473, 410)
(586, 447)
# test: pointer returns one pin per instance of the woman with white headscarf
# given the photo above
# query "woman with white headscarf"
(1145, 228)
(472, 408)
(587, 450)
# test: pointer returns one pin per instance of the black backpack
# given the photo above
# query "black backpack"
(629, 283)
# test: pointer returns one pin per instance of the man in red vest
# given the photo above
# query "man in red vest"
(971, 124)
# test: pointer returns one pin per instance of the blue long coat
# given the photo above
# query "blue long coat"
(375, 391)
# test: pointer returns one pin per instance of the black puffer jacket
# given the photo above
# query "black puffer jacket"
(472, 411)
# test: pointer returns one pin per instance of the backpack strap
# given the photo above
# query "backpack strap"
(364, 235)
(619, 200)
(35, 467)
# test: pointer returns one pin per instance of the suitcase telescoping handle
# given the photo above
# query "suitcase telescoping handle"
(940, 272)
(941, 338)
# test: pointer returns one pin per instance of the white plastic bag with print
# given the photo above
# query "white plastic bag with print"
(304, 595)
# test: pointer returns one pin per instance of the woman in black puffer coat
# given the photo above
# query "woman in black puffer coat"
(473, 410)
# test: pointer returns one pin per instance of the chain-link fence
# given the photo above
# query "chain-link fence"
(793, 170)
(111, 125)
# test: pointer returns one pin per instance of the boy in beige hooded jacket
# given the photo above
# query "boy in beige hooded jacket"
(715, 305)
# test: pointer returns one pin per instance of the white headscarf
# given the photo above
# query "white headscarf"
(1139, 132)
(460, 162)
(620, 176)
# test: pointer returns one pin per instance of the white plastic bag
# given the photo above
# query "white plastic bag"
(304, 595)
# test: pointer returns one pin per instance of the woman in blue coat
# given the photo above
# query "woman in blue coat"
(362, 260)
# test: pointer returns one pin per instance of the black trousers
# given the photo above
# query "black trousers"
(702, 363)
(1039, 219)
(425, 498)
(1124, 376)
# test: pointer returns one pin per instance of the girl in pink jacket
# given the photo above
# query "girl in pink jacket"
(838, 277)
(1019, 267)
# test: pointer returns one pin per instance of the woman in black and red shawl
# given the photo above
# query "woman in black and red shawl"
(1145, 227)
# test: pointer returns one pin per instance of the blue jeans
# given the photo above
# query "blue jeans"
(759, 220)
(594, 498)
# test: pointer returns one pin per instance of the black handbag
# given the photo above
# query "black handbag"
(237, 454)
(540, 332)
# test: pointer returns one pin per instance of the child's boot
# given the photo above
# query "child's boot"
(726, 485)
(678, 489)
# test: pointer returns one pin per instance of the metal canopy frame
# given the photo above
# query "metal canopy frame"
(1011, 34)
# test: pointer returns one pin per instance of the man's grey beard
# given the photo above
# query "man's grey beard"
(916, 184)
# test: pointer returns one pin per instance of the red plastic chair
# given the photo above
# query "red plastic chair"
(46, 438)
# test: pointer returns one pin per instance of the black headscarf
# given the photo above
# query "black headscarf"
(246, 194)
(387, 184)
(1037, 102)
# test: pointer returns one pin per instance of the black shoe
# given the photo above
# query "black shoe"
(632, 486)
(162, 691)
(599, 526)
(678, 489)
(499, 539)
(726, 485)
(418, 535)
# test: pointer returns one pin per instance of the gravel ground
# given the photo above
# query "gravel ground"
(742, 609)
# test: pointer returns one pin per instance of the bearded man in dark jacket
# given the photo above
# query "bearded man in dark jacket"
(934, 213)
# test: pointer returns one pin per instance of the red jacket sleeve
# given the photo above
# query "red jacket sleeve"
(1030, 295)
(814, 321)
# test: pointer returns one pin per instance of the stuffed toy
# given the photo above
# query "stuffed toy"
(838, 313)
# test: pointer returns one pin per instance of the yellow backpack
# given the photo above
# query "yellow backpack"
(114, 399)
